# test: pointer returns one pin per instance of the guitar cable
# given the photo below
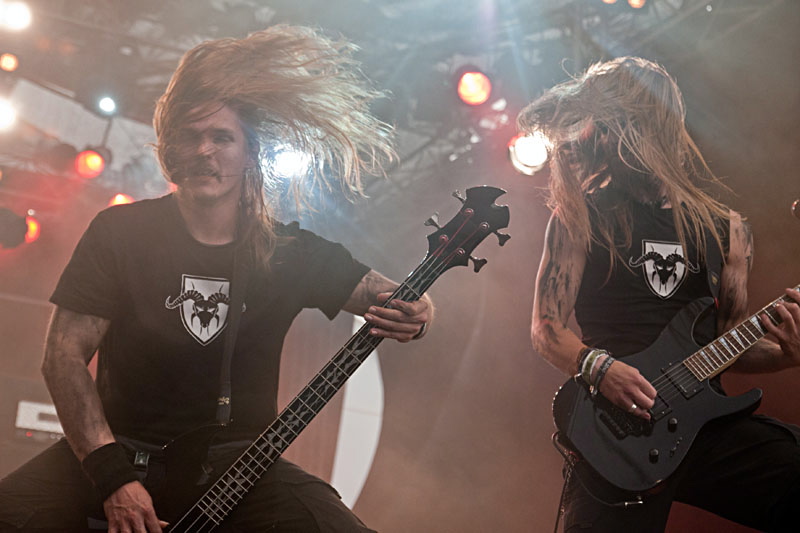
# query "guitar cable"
(571, 459)
(569, 464)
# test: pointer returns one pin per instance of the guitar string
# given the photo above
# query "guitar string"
(745, 325)
(423, 273)
(684, 378)
(225, 495)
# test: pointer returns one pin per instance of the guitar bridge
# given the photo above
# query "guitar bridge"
(660, 408)
(620, 423)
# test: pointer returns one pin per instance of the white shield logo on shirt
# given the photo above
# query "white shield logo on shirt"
(664, 266)
(204, 306)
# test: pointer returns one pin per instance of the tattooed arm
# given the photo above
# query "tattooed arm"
(766, 355)
(403, 321)
(557, 285)
(71, 342)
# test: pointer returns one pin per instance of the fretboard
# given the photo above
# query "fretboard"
(721, 353)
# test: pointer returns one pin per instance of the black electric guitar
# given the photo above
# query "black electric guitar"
(203, 510)
(635, 454)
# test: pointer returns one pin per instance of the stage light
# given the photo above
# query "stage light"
(637, 4)
(34, 228)
(609, 1)
(8, 115)
(9, 62)
(89, 164)
(288, 163)
(528, 153)
(15, 15)
(107, 105)
(120, 199)
(474, 87)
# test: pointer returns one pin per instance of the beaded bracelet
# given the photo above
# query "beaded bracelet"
(109, 468)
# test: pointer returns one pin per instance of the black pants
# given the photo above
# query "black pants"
(50, 492)
(745, 469)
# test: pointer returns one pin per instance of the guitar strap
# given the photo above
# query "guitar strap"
(714, 264)
(241, 273)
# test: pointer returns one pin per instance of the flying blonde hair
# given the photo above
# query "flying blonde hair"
(289, 85)
(637, 103)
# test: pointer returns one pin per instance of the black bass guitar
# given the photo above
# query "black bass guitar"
(636, 454)
(203, 510)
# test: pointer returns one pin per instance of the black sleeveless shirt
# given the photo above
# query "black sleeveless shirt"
(626, 313)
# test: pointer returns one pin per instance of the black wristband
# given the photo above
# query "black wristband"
(109, 468)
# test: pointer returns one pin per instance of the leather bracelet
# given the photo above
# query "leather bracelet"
(421, 331)
(108, 468)
(601, 373)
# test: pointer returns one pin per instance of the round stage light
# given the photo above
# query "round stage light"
(15, 15)
(9, 62)
(474, 87)
(34, 229)
(89, 164)
(121, 198)
(528, 153)
(107, 105)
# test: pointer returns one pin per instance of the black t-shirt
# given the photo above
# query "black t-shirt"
(167, 296)
(626, 313)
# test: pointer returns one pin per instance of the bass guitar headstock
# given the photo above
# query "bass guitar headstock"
(452, 244)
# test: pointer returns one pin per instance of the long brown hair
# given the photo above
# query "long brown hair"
(291, 85)
(636, 103)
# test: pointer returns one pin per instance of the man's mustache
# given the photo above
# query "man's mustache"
(196, 168)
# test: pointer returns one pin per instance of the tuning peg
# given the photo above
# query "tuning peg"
(433, 221)
(502, 237)
(457, 195)
(478, 263)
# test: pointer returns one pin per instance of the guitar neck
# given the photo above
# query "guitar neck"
(451, 245)
(715, 357)
(232, 486)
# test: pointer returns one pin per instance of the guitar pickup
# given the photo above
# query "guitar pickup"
(685, 382)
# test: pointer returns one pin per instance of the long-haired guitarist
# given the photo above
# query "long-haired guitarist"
(633, 239)
(151, 284)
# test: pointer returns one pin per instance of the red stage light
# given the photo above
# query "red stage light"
(89, 164)
(474, 87)
(120, 199)
(33, 229)
(9, 62)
